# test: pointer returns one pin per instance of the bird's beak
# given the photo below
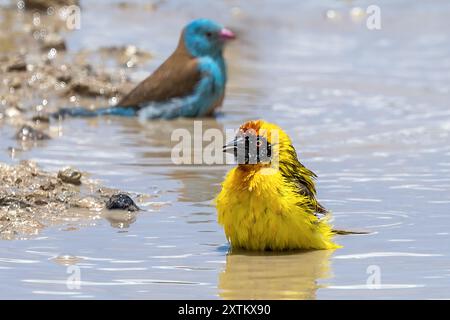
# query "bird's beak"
(226, 34)
(232, 146)
(229, 147)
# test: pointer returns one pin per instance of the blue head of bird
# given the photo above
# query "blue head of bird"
(203, 37)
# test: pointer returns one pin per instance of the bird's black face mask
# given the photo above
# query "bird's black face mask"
(249, 149)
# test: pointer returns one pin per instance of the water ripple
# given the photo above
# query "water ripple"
(386, 254)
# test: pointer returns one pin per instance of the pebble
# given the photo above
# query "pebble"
(70, 176)
(27, 133)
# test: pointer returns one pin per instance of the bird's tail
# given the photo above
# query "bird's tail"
(348, 232)
(83, 112)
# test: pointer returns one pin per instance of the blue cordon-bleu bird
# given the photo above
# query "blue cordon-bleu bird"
(190, 83)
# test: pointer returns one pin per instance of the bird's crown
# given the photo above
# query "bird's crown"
(204, 37)
(273, 133)
(262, 143)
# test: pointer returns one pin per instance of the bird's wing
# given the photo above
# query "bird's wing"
(303, 180)
(197, 103)
(175, 78)
(305, 186)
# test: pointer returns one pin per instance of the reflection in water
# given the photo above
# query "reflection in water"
(157, 135)
(120, 219)
(66, 260)
(199, 183)
(274, 276)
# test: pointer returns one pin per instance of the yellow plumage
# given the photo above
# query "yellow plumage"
(272, 205)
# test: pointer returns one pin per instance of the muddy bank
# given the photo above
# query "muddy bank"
(32, 199)
(40, 74)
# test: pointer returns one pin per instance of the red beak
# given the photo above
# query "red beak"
(227, 34)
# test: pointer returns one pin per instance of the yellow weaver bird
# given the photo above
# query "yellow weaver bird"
(268, 202)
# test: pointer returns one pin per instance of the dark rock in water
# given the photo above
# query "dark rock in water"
(121, 201)
(28, 133)
(70, 176)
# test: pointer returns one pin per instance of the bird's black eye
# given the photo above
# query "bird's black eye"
(209, 34)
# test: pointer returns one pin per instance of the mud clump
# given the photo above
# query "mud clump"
(53, 41)
(15, 65)
(70, 176)
(15, 83)
(45, 4)
(92, 88)
(32, 199)
(28, 133)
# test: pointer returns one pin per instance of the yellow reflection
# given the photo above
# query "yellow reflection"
(274, 276)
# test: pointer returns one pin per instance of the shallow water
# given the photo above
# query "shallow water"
(368, 111)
